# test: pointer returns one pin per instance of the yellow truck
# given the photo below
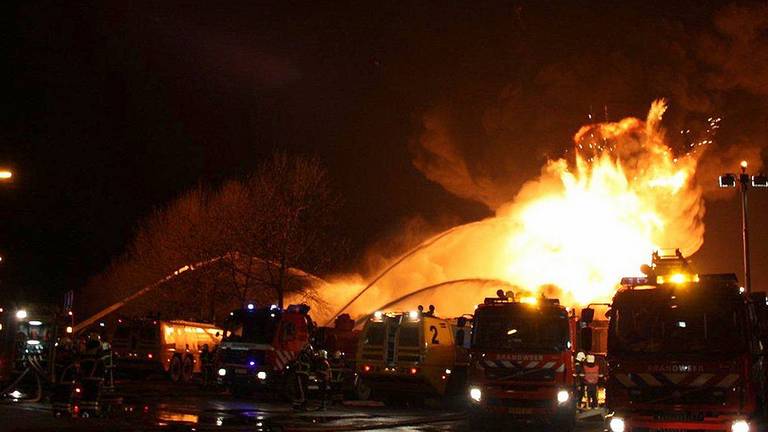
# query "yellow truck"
(412, 353)
(172, 347)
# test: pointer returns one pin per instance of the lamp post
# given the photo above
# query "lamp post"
(729, 180)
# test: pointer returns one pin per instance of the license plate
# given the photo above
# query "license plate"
(241, 371)
(520, 411)
(313, 387)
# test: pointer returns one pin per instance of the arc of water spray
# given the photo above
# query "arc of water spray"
(435, 286)
(425, 244)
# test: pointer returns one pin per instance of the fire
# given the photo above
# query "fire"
(573, 232)
(604, 214)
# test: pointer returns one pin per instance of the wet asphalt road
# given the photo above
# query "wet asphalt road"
(161, 406)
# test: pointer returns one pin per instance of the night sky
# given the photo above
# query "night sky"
(113, 108)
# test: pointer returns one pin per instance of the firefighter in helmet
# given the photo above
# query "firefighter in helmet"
(322, 369)
(579, 369)
(206, 364)
(591, 379)
(302, 366)
(93, 344)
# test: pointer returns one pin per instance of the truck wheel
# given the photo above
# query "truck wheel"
(362, 391)
(187, 368)
(175, 369)
(457, 383)
(564, 424)
(290, 389)
(477, 421)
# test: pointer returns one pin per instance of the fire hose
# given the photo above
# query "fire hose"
(423, 245)
(39, 384)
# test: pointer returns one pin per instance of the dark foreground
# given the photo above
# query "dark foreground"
(151, 406)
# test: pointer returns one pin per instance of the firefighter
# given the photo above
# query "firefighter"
(93, 344)
(96, 357)
(322, 369)
(95, 362)
(206, 364)
(65, 359)
(302, 367)
(579, 370)
(591, 379)
(431, 311)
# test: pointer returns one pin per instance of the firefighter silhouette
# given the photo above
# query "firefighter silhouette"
(322, 369)
(591, 380)
(206, 364)
(579, 369)
(302, 367)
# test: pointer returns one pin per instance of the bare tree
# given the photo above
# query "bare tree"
(260, 238)
(296, 210)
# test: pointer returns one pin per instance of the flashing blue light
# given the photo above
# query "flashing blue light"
(250, 306)
(252, 363)
(273, 307)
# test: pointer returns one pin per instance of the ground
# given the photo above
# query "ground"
(159, 405)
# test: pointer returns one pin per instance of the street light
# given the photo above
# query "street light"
(728, 180)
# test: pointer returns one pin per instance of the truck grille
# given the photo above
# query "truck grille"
(680, 417)
(668, 430)
(520, 374)
(242, 357)
(519, 403)
(667, 395)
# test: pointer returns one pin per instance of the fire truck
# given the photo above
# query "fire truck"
(340, 341)
(522, 366)
(172, 347)
(28, 335)
(684, 352)
(414, 353)
(259, 346)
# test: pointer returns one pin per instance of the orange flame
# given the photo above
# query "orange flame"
(573, 232)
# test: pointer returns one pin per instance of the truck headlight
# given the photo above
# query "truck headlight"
(222, 372)
(617, 424)
(740, 426)
(261, 375)
(563, 396)
(475, 394)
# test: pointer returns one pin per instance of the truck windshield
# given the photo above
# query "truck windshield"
(667, 324)
(253, 327)
(520, 328)
(375, 334)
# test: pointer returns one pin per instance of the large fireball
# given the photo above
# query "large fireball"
(572, 233)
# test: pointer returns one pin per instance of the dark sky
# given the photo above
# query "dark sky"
(112, 108)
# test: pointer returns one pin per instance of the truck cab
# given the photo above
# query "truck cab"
(684, 353)
(259, 346)
(522, 366)
(411, 353)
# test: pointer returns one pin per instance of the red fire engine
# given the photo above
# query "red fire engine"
(684, 353)
(522, 362)
(260, 344)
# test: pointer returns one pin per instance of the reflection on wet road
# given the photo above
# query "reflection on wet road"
(162, 406)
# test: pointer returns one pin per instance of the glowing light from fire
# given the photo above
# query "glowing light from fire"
(572, 233)
(603, 217)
